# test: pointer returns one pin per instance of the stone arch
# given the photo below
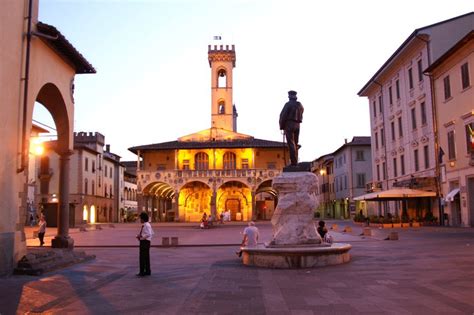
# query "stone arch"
(51, 98)
(158, 197)
(235, 196)
(194, 200)
(266, 199)
(221, 77)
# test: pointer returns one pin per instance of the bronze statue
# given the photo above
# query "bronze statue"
(290, 118)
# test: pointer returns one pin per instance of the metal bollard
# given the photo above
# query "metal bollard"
(174, 241)
(393, 236)
(367, 232)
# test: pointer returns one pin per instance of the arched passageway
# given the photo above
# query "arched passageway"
(235, 197)
(158, 198)
(194, 201)
(266, 199)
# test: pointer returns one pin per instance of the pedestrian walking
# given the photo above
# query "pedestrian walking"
(42, 230)
(145, 235)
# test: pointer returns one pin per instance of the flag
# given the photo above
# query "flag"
(471, 132)
(217, 37)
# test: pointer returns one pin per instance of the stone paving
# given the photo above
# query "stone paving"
(428, 270)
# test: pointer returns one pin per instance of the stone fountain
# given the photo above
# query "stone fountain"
(295, 242)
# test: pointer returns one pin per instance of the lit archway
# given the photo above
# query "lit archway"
(266, 199)
(158, 198)
(195, 200)
(237, 198)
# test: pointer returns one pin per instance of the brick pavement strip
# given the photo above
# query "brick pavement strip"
(427, 271)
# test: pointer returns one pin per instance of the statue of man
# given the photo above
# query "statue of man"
(290, 118)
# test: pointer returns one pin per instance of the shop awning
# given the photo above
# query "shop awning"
(396, 194)
(450, 196)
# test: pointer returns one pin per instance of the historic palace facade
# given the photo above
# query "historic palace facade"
(212, 170)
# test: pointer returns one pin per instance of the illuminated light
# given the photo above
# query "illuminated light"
(36, 146)
(92, 214)
(85, 214)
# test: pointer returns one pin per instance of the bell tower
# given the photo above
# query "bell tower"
(222, 62)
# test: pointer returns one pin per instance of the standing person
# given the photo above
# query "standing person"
(250, 239)
(144, 237)
(291, 117)
(42, 230)
(222, 217)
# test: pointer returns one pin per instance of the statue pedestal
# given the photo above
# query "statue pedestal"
(295, 242)
(293, 217)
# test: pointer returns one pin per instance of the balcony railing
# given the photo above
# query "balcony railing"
(180, 176)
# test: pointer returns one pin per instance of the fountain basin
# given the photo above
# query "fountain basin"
(294, 257)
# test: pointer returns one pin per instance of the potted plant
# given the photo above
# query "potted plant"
(397, 223)
(430, 219)
(415, 223)
(360, 219)
(405, 221)
(387, 222)
(375, 221)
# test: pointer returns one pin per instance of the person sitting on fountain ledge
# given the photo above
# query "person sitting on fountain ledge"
(251, 235)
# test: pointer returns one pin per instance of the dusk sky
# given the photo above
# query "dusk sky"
(153, 78)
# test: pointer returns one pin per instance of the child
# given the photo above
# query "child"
(42, 230)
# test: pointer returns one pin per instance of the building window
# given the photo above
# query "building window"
(360, 155)
(221, 79)
(378, 171)
(93, 188)
(390, 96)
(361, 180)
(86, 164)
(402, 164)
(93, 166)
(201, 161)
(105, 190)
(229, 161)
(410, 78)
(382, 137)
(392, 128)
(470, 137)
(466, 82)
(423, 113)
(427, 157)
(374, 107)
(105, 170)
(86, 187)
(413, 118)
(397, 88)
(395, 172)
(185, 164)
(384, 171)
(447, 88)
(417, 162)
(245, 163)
(451, 146)
(400, 127)
(420, 70)
(345, 181)
(110, 192)
(380, 104)
(221, 107)
(376, 141)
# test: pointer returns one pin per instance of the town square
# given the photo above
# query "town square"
(267, 157)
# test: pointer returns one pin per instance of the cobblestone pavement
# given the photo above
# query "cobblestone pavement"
(428, 271)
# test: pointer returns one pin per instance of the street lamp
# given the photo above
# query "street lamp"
(322, 171)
